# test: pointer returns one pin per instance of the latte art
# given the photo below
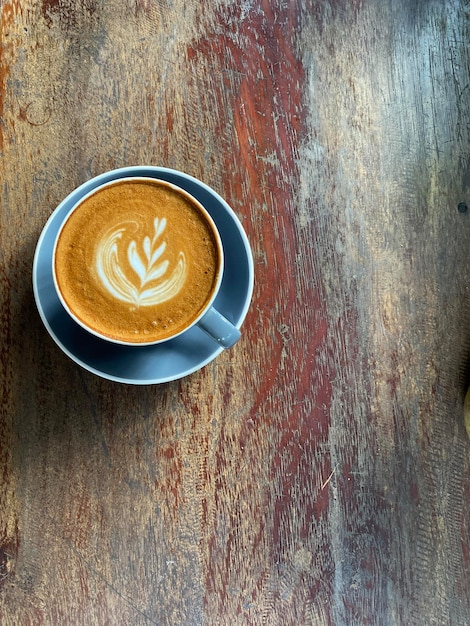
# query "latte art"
(151, 282)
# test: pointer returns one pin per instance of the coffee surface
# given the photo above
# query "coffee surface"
(137, 261)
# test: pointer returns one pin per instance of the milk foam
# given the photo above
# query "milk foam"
(150, 282)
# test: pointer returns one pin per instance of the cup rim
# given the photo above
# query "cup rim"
(154, 181)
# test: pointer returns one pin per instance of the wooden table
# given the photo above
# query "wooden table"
(318, 472)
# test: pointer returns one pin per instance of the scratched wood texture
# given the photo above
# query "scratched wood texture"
(318, 473)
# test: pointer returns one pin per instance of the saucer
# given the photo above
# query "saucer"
(146, 365)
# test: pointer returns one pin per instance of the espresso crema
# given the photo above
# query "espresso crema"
(137, 261)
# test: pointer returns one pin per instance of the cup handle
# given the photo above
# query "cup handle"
(219, 328)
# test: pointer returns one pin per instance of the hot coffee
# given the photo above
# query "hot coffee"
(137, 261)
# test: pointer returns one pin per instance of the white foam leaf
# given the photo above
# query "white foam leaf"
(147, 247)
(158, 253)
(157, 272)
(135, 261)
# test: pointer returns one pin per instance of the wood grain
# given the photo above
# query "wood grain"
(318, 472)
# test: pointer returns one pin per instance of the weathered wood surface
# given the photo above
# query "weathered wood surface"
(318, 473)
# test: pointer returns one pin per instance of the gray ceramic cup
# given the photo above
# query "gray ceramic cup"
(172, 359)
(210, 320)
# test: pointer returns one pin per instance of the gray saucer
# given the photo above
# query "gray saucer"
(163, 362)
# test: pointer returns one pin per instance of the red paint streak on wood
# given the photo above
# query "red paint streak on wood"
(68, 12)
(268, 118)
(171, 467)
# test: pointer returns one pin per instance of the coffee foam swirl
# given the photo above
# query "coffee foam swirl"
(149, 283)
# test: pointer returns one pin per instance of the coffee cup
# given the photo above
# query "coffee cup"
(139, 261)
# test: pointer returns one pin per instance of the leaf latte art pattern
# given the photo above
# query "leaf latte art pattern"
(149, 283)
